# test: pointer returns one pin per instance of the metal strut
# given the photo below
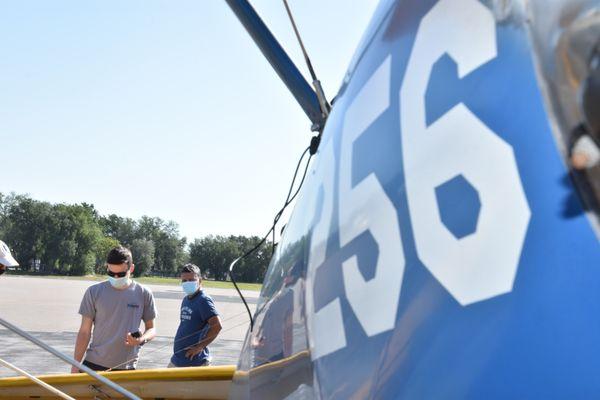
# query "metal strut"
(280, 61)
(43, 384)
(69, 360)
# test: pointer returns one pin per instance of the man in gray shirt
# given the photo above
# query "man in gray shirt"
(111, 312)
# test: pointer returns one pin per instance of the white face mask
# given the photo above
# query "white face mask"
(119, 283)
(190, 287)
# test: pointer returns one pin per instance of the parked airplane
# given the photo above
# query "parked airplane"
(442, 245)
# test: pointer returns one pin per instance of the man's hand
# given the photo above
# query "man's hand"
(132, 341)
(74, 370)
(194, 351)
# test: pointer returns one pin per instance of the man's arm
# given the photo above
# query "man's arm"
(149, 334)
(83, 339)
(214, 327)
(150, 331)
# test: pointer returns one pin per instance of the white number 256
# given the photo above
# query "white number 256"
(472, 268)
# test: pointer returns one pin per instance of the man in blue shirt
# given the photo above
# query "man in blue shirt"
(200, 323)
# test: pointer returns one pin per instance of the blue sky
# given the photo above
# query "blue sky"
(161, 108)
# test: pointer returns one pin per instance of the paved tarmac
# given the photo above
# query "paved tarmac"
(47, 308)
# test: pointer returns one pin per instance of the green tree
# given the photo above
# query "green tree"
(24, 227)
(74, 239)
(253, 267)
(122, 229)
(73, 236)
(169, 247)
(143, 256)
(214, 255)
(105, 244)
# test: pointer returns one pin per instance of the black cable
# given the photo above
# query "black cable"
(295, 174)
(169, 344)
(273, 241)
(288, 200)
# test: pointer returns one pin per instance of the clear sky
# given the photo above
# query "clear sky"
(161, 108)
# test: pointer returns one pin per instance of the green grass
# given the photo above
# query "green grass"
(155, 280)
(206, 283)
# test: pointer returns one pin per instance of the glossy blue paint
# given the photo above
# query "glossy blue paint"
(540, 340)
(459, 206)
(443, 89)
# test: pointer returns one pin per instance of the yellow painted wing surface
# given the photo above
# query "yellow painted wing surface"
(196, 383)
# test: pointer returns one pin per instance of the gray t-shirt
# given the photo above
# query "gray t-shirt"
(116, 312)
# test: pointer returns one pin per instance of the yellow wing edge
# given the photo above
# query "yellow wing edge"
(217, 373)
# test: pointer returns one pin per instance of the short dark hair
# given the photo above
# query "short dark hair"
(194, 269)
(119, 255)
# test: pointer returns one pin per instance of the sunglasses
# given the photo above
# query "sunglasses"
(116, 274)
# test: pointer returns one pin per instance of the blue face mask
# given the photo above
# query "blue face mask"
(119, 283)
(189, 287)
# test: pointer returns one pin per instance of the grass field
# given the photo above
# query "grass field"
(156, 280)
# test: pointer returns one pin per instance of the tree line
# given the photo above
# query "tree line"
(73, 239)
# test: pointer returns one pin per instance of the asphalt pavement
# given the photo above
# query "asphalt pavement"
(47, 308)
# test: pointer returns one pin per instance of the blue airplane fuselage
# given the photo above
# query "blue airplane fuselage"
(439, 247)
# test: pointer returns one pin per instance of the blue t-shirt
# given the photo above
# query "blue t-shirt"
(195, 313)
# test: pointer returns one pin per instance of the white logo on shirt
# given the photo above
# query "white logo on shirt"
(186, 313)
